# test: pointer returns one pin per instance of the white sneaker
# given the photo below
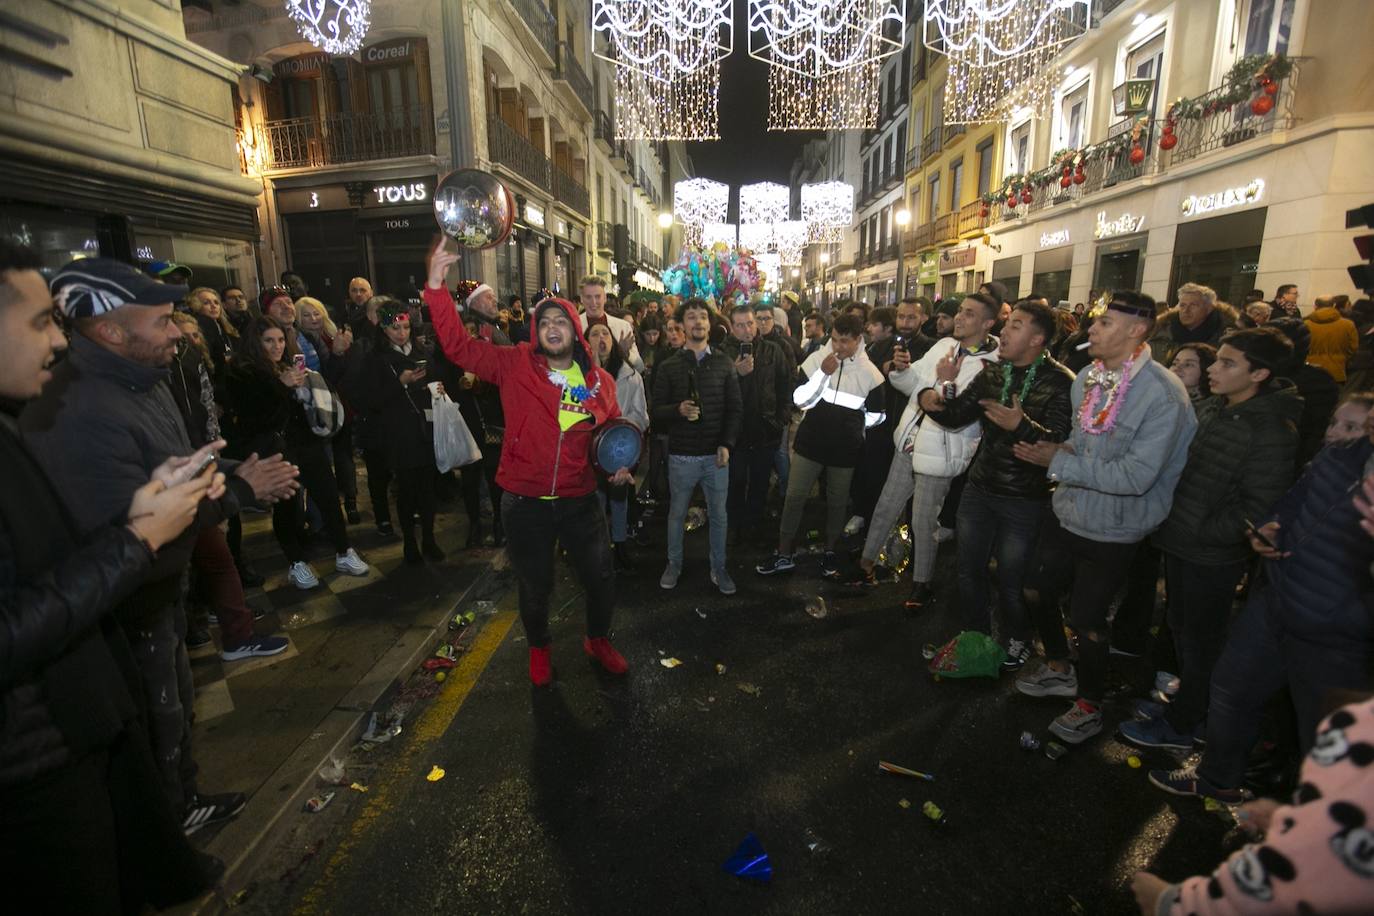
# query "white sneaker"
(943, 534)
(302, 576)
(349, 562)
(854, 525)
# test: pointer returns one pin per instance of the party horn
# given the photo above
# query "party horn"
(885, 767)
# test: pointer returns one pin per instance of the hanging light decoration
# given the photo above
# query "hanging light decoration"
(1001, 53)
(827, 208)
(699, 201)
(334, 26)
(667, 55)
(847, 100)
(789, 237)
(770, 268)
(712, 233)
(756, 237)
(764, 202)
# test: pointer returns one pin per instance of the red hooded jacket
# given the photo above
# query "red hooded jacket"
(538, 458)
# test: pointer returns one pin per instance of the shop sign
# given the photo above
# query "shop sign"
(1125, 224)
(955, 258)
(1197, 204)
(928, 268)
(388, 51)
(1054, 239)
(326, 197)
(306, 65)
(411, 192)
(534, 216)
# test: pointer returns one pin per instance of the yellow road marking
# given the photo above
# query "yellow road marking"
(400, 771)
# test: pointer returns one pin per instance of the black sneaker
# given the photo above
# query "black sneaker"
(830, 565)
(385, 529)
(777, 563)
(205, 810)
(921, 595)
(353, 516)
(197, 639)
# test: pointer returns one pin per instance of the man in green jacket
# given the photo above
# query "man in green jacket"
(1246, 430)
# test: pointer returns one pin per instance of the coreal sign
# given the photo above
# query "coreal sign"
(1198, 204)
(1125, 224)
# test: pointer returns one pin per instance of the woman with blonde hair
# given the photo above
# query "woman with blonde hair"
(327, 351)
(221, 337)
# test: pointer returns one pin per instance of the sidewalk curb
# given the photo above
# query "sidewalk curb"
(240, 844)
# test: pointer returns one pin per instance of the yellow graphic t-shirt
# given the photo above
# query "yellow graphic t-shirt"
(570, 413)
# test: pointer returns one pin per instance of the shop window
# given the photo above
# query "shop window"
(1018, 149)
(1146, 62)
(1268, 26)
(1073, 116)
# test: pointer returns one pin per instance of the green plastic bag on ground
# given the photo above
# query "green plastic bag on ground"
(970, 654)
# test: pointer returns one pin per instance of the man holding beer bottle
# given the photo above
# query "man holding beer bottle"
(697, 403)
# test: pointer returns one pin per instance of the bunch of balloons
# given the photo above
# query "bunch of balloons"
(719, 275)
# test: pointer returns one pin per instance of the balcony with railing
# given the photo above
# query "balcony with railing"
(970, 218)
(913, 160)
(933, 143)
(888, 252)
(946, 228)
(507, 148)
(919, 238)
(602, 131)
(572, 79)
(605, 238)
(892, 177)
(1223, 123)
(954, 131)
(542, 29)
(568, 191)
(348, 137)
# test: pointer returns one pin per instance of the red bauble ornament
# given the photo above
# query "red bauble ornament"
(1168, 127)
(1079, 177)
(983, 213)
(1011, 201)
(1027, 196)
(1271, 88)
(1137, 155)
(1068, 172)
(1065, 181)
(1262, 105)
(1168, 141)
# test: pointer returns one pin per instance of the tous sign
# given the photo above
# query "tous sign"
(1195, 204)
(1124, 224)
(400, 193)
(1051, 239)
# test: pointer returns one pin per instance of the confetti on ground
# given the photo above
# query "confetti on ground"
(358, 787)
(753, 690)
(669, 662)
(1133, 762)
(435, 774)
(904, 803)
(720, 669)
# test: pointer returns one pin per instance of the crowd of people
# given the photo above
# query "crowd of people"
(1075, 457)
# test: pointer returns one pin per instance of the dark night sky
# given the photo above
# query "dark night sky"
(746, 151)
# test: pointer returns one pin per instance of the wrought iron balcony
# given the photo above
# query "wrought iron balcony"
(570, 72)
(543, 28)
(932, 143)
(569, 192)
(888, 252)
(953, 131)
(913, 160)
(1224, 124)
(507, 148)
(605, 238)
(310, 142)
(602, 131)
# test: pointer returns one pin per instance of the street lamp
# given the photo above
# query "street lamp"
(665, 223)
(903, 218)
(665, 220)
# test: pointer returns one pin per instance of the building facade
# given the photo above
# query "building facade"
(117, 139)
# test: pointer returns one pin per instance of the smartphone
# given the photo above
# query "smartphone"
(299, 362)
(420, 365)
(1259, 535)
(901, 342)
(194, 468)
(746, 350)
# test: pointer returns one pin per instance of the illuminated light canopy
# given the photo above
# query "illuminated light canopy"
(847, 100)
(764, 202)
(756, 237)
(820, 37)
(683, 108)
(712, 233)
(770, 268)
(827, 208)
(699, 201)
(334, 26)
(790, 238)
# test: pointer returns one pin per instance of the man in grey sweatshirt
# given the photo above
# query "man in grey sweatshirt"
(1115, 479)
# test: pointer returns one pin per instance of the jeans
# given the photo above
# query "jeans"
(378, 482)
(345, 468)
(1200, 599)
(750, 470)
(616, 502)
(159, 649)
(1004, 527)
(218, 578)
(782, 463)
(801, 478)
(684, 473)
(1136, 613)
(1259, 660)
(317, 477)
(1094, 571)
(533, 528)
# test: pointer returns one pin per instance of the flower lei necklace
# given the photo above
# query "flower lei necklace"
(1025, 385)
(575, 393)
(1111, 383)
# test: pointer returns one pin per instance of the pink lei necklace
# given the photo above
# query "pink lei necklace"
(1107, 387)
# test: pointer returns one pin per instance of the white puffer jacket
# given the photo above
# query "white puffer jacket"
(936, 451)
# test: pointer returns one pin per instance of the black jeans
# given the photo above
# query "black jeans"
(1200, 599)
(1006, 528)
(159, 648)
(345, 469)
(472, 477)
(751, 467)
(317, 478)
(534, 528)
(1136, 613)
(415, 496)
(1093, 572)
(1259, 659)
(949, 510)
(378, 482)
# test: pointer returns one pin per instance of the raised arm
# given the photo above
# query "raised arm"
(482, 358)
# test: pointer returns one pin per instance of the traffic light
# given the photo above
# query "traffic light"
(1362, 275)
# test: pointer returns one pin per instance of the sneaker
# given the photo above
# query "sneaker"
(830, 565)
(352, 514)
(670, 576)
(1081, 722)
(1166, 683)
(1155, 733)
(349, 562)
(600, 648)
(1145, 710)
(386, 530)
(777, 563)
(256, 647)
(197, 639)
(854, 525)
(721, 580)
(865, 579)
(205, 810)
(943, 534)
(1044, 681)
(541, 666)
(1187, 782)
(302, 576)
(1018, 653)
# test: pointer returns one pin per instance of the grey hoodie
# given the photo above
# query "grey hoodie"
(1118, 486)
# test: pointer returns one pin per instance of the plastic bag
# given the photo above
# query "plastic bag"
(454, 445)
(970, 654)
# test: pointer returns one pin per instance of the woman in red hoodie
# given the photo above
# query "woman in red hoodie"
(554, 397)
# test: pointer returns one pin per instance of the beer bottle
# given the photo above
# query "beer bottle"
(693, 396)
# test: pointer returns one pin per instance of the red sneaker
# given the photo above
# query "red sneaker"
(541, 666)
(600, 648)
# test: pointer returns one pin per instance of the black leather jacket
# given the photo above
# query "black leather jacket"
(1048, 410)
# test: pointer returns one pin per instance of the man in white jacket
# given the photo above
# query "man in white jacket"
(929, 456)
(592, 293)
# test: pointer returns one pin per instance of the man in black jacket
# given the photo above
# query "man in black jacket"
(101, 427)
(1025, 397)
(84, 826)
(765, 383)
(697, 401)
(769, 330)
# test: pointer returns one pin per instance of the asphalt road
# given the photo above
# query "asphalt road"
(604, 795)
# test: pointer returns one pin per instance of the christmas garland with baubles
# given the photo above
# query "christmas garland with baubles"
(1255, 78)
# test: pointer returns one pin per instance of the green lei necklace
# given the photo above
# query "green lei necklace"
(1025, 385)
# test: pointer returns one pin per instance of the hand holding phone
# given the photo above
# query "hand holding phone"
(1264, 540)
(299, 362)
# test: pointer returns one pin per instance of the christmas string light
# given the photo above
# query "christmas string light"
(684, 108)
(764, 202)
(756, 237)
(699, 201)
(827, 208)
(789, 237)
(334, 26)
(838, 101)
(769, 268)
(819, 37)
(712, 233)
